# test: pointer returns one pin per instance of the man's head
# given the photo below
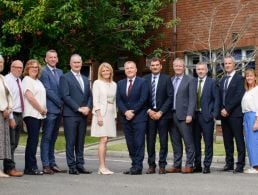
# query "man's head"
(51, 58)
(130, 69)
(155, 66)
(179, 66)
(17, 68)
(201, 69)
(229, 64)
(76, 63)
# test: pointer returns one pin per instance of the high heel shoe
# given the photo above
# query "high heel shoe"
(2, 174)
(105, 171)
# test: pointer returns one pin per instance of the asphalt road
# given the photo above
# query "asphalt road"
(215, 183)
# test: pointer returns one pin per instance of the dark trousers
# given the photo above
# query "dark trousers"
(9, 164)
(232, 127)
(135, 140)
(205, 129)
(180, 130)
(75, 131)
(49, 136)
(161, 127)
(33, 128)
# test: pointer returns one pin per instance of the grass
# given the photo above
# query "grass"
(60, 142)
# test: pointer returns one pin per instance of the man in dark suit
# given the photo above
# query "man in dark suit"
(132, 95)
(160, 114)
(231, 93)
(50, 78)
(76, 94)
(183, 110)
(207, 109)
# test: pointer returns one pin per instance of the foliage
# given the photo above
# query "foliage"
(99, 30)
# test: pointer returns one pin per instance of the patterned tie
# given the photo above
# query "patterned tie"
(199, 95)
(225, 89)
(55, 74)
(153, 92)
(175, 84)
(79, 79)
(130, 87)
(20, 94)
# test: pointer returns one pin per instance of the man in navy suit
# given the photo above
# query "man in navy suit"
(76, 94)
(50, 78)
(231, 93)
(183, 111)
(132, 95)
(207, 109)
(160, 115)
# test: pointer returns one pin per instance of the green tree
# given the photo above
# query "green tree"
(97, 29)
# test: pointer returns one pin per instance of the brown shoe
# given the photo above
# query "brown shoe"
(173, 170)
(47, 170)
(15, 173)
(162, 170)
(187, 170)
(151, 170)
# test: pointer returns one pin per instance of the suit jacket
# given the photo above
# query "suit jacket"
(164, 94)
(72, 94)
(234, 95)
(209, 99)
(54, 101)
(100, 93)
(185, 97)
(137, 100)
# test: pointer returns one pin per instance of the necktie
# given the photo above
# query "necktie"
(199, 95)
(225, 88)
(129, 87)
(55, 74)
(175, 84)
(79, 79)
(153, 92)
(21, 96)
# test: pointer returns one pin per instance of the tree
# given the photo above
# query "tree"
(97, 30)
(213, 39)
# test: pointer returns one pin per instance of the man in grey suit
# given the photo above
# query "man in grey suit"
(183, 110)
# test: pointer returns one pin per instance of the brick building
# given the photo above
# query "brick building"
(207, 29)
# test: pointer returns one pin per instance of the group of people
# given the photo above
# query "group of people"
(182, 107)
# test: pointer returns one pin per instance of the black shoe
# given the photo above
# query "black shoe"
(74, 171)
(197, 169)
(33, 172)
(127, 172)
(238, 170)
(136, 172)
(206, 170)
(228, 168)
(83, 171)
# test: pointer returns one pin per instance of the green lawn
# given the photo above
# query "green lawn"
(60, 143)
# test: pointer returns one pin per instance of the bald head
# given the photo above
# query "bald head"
(17, 68)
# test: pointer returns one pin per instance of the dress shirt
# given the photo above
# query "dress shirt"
(11, 82)
(128, 83)
(250, 101)
(202, 83)
(79, 79)
(230, 77)
(176, 87)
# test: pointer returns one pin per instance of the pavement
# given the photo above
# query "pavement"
(217, 182)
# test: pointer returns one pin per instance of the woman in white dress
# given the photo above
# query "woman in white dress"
(250, 110)
(104, 112)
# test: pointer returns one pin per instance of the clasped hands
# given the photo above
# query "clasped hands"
(84, 110)
(129, 114)
(154, 115)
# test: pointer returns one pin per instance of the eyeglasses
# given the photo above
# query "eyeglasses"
(17, 67)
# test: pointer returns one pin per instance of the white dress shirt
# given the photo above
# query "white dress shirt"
(79, 79)
(128, 83)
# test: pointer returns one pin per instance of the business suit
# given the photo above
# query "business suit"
(185, 102)
(164, 99)
(74, 121)
(50, 80)
(135, 128)
(203, 124)
(232, 125)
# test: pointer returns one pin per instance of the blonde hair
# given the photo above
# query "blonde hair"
(109, 67)
(250, 71)
(29, 64)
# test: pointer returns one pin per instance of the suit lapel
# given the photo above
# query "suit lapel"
(76, 82)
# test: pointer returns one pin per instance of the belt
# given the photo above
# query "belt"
(17, 113)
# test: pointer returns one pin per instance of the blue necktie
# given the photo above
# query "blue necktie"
(153, 94)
